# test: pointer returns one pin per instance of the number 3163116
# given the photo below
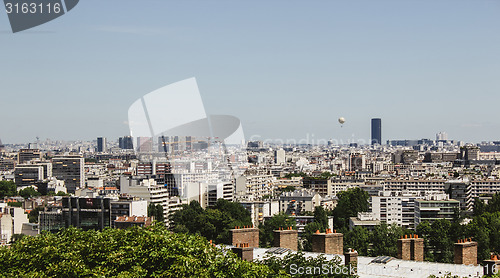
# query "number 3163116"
(33, 8)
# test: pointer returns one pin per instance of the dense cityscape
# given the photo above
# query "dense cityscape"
(398, 204)
(249, 139)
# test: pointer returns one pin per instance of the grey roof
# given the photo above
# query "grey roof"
(392, 267)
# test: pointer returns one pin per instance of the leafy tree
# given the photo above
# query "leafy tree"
(309, 230)
(440, 241)
(28, 192)
(494, 203)
(384, 239)
(321, 217)
(424, 230)
(213, 223)
(234, 210)
(479, 207)
(358, 239)
(136, 252)
(7, 189)
(33, 215)
(156, 211)
(350, 202)
(320, 223)
(277, 221)
(61, 193)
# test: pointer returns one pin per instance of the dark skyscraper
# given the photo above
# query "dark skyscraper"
(376, 131)
(101, 144)
(126, 143)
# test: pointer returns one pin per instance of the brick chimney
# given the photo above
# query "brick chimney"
(243, 251)
(417, 249)
(466, 252)
(404, 248)
(351, 259)
(246, 234)
(286, 238)
(328, 243)
(491, 266)
(411, 248)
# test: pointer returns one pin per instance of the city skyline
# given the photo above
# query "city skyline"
(286, 70)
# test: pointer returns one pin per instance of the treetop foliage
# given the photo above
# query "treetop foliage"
(135, 252)
(350, 202)
(213, 223)
(7, 189)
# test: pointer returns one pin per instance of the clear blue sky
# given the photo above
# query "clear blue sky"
(285, 68)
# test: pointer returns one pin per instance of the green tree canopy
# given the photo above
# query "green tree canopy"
(156, 211)
(350, 202)
(213, 223)
(358, 239)
(280, 220)
(7, 189)
(28, 192)
(134, 252)
(384, 240)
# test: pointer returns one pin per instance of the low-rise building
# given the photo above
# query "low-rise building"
(435, 207)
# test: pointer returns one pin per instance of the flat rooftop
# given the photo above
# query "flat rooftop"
(392, 268)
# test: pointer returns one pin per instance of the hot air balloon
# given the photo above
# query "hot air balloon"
(341, 121)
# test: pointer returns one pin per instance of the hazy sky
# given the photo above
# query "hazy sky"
(287, 69)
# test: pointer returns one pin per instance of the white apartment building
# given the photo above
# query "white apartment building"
(258, 185)
(394, 208)
(415, 185)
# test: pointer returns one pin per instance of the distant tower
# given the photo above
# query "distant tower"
(126, 143)
(101, 144)
(441, 136)
(376, 131)
(1, 146)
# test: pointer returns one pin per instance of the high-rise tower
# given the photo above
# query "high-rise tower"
(376, 131)
(101, 144)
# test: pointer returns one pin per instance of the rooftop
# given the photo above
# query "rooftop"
(391, 268)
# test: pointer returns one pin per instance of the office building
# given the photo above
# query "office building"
(279, 156)
(86, 213)
(376, 131)
(28, 175)
(435, 207)
(70, 170)
(126, 143)
(101, 145)
(441, 136)
(26, 155)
